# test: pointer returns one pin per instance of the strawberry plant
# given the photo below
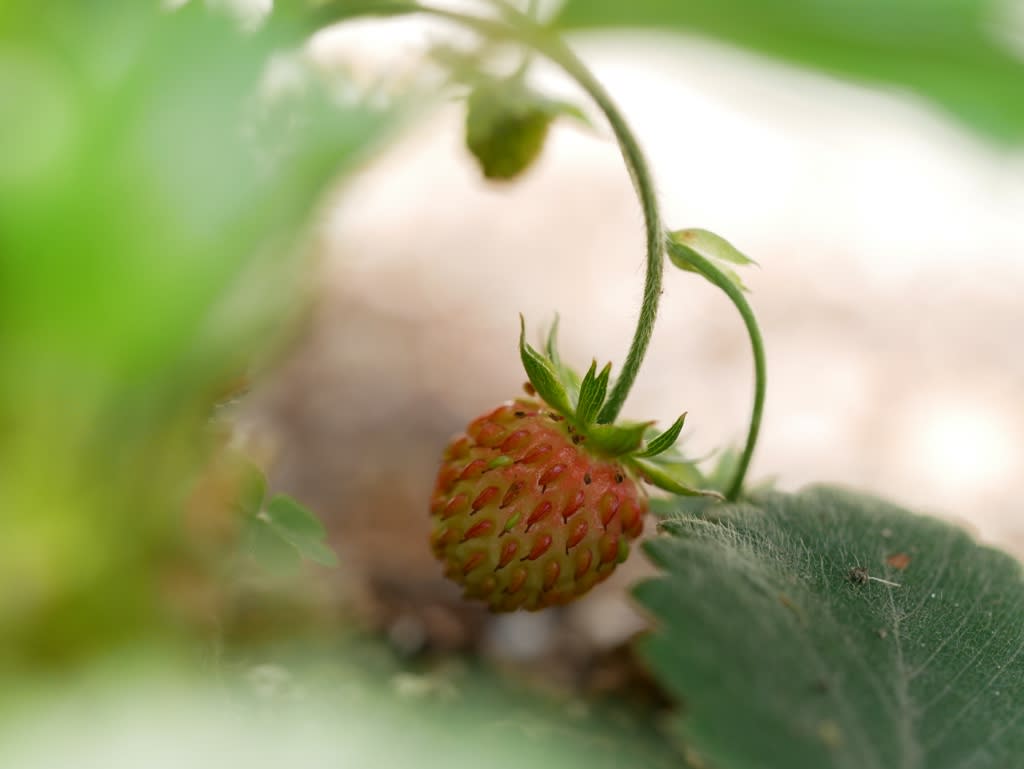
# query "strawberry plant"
(824, 628)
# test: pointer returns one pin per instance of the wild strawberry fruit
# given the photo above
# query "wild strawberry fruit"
(538, 501)
(526, 516)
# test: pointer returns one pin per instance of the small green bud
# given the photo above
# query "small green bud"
(506, 125)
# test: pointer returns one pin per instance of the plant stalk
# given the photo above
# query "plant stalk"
(524, 30)
(708, 269)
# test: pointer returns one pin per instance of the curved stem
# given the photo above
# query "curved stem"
(720, 279)
(526, 31)
(643, 184)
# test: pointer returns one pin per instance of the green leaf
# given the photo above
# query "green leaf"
(954, 52)
(153, 194)
(592, 393)
(675, 477)
(684, 245)
(786, 658)
(542, 374)
(711, 246)
(300, 528)
(617, 439)
(665, 441)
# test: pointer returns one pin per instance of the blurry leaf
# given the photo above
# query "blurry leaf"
(267, 547)
(592, 393)
(781, 649)
(542, 374)
(170, 176)
(300, 528)
(959, 54)
(153, 192)
(665, 441)
(724, 469)
(566, 375)
(685, 243)
(327, 706)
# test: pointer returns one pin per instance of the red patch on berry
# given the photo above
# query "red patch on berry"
(577, 533)
(511, 494)
(456, 505)
(539, 514)
(508, 552)
(478, 530)
(473, 470)
(517, 581)
(535, 455)
(551, 475)
(485, 497)
(516, 440)
(583, 561)
(542, 545)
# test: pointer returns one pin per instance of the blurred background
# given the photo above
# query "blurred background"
(237, 234)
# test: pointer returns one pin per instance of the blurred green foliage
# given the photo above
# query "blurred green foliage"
(152, 194)
(346, 704)
(963, 55)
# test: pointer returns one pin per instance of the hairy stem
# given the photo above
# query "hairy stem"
(716, 276)
(524, 30)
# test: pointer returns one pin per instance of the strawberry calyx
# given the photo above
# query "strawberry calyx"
(648, 453)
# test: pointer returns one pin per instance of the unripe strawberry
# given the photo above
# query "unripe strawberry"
(507, 124)
(525, 516)
(539, 501)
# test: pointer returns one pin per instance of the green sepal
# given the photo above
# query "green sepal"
(661, 475)
(542, 375)
(566, 375)
(685, 244)
(616, 439)
(665, 441)
(551, 345)
(592, 394)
